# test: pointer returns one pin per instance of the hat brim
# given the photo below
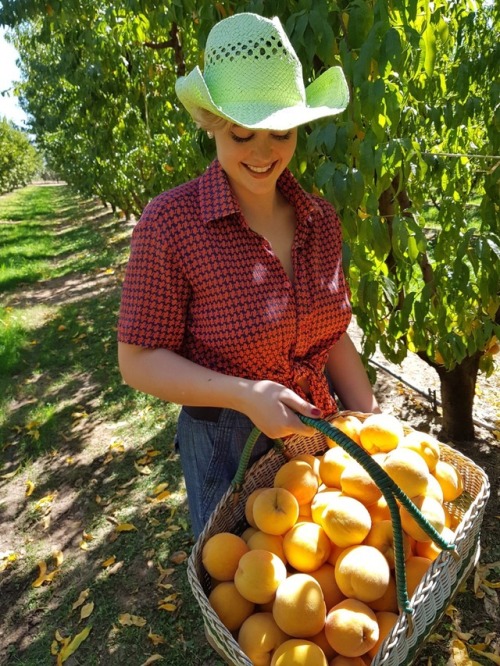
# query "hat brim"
(328, 95)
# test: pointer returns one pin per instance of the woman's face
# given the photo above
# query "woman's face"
(254, 159)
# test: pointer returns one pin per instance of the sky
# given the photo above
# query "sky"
(9, 107)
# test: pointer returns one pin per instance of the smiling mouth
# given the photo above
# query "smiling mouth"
(260, 170)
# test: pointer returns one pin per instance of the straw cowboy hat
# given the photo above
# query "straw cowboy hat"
(253, 78)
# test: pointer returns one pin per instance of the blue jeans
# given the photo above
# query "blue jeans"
(210, 453)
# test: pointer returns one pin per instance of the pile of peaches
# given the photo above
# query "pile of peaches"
(311, 581)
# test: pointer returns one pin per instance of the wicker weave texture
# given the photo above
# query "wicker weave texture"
(430, 599)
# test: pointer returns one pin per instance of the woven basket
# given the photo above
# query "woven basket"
(432, 596)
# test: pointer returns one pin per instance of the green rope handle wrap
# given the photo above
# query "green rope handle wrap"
(361, 457)
(239, 477)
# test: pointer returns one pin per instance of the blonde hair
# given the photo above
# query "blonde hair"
(207, 120)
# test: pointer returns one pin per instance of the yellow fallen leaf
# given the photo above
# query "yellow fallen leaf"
(81, 599)
(30, 487)
(59, 637)
(152, 659)
(107, 563)
(8, 559)
(161, 496)
(73, 645)
(171, 597)
(460, 655)
(84, 545)
(48, 499)
(156, 639)
(143, 461)
(43, 576)
(142, 470)
(125, 527)
(126, 619)
(168, 607)
(487, 655)
(54, 647)
(86, 610)
(153, 453)
(160, 488)
(10, 474)
(58, 557)
(87, 537)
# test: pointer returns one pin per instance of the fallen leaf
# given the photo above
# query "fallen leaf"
(488, 655)
(54, 647)
(8, 560)
(58, 556)
(126, 619)
(152, 659)
(48, 499)
(107, 563)
(84, 545)
(168, 607)
(30, 487)
(60, 637)
(142, 470)
(81, 599)
(43, 576)
(178, 557)
(87, 537)
(153, 453)
(161, 496)
(86, 610)
(115, 568)
(156, 639)
(74, 644)
(125, 527)
(160, 488)
(460, 656)
(10, 474)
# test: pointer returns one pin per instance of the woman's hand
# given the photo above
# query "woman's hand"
(272, 409)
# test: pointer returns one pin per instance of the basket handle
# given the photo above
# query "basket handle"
(387, 486)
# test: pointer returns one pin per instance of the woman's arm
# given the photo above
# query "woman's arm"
(349, 377)
(166, 375)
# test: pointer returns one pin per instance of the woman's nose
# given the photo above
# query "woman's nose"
(263, 148)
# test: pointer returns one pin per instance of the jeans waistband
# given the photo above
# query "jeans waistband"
(203, 413)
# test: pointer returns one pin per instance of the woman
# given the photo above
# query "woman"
(234, 303)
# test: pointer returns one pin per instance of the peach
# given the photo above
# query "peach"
(299, 652)
(351, 628)
(259, 575)
(332, 464)
(271, 542)
(221, 554)
(306, 546)
(259, 636)
(431, 550)
(356, 482)
(350, 425)
(346, 521)
(320, 502)
(275, 510)
(299, 606)
(381, 536)
(230, 606)
(381, 432)
(249, 506)
(449, 479)
(416, 568)
(362, 573)
(325, 576)
(425, 445)
(408, 470)
(314, 461)
(389, 600)
(432, 511)
(386, 621)
(299, 478)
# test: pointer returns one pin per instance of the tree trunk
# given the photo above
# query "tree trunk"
(457, 396)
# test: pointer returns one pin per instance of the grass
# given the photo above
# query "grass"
(81, 454)
(93, 449)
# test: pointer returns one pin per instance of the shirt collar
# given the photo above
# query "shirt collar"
(217, 199)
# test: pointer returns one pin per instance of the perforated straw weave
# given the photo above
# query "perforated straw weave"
(253, 77)
(432, 596)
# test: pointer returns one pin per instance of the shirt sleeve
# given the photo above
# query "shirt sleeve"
(155, 291)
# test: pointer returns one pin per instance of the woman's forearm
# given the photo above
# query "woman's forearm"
(167, 375)
(349, 377)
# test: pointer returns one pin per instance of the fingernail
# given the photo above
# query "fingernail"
(315, 411)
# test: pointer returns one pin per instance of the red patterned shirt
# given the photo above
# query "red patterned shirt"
(203, 284)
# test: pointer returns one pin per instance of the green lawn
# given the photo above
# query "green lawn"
(80, 453)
